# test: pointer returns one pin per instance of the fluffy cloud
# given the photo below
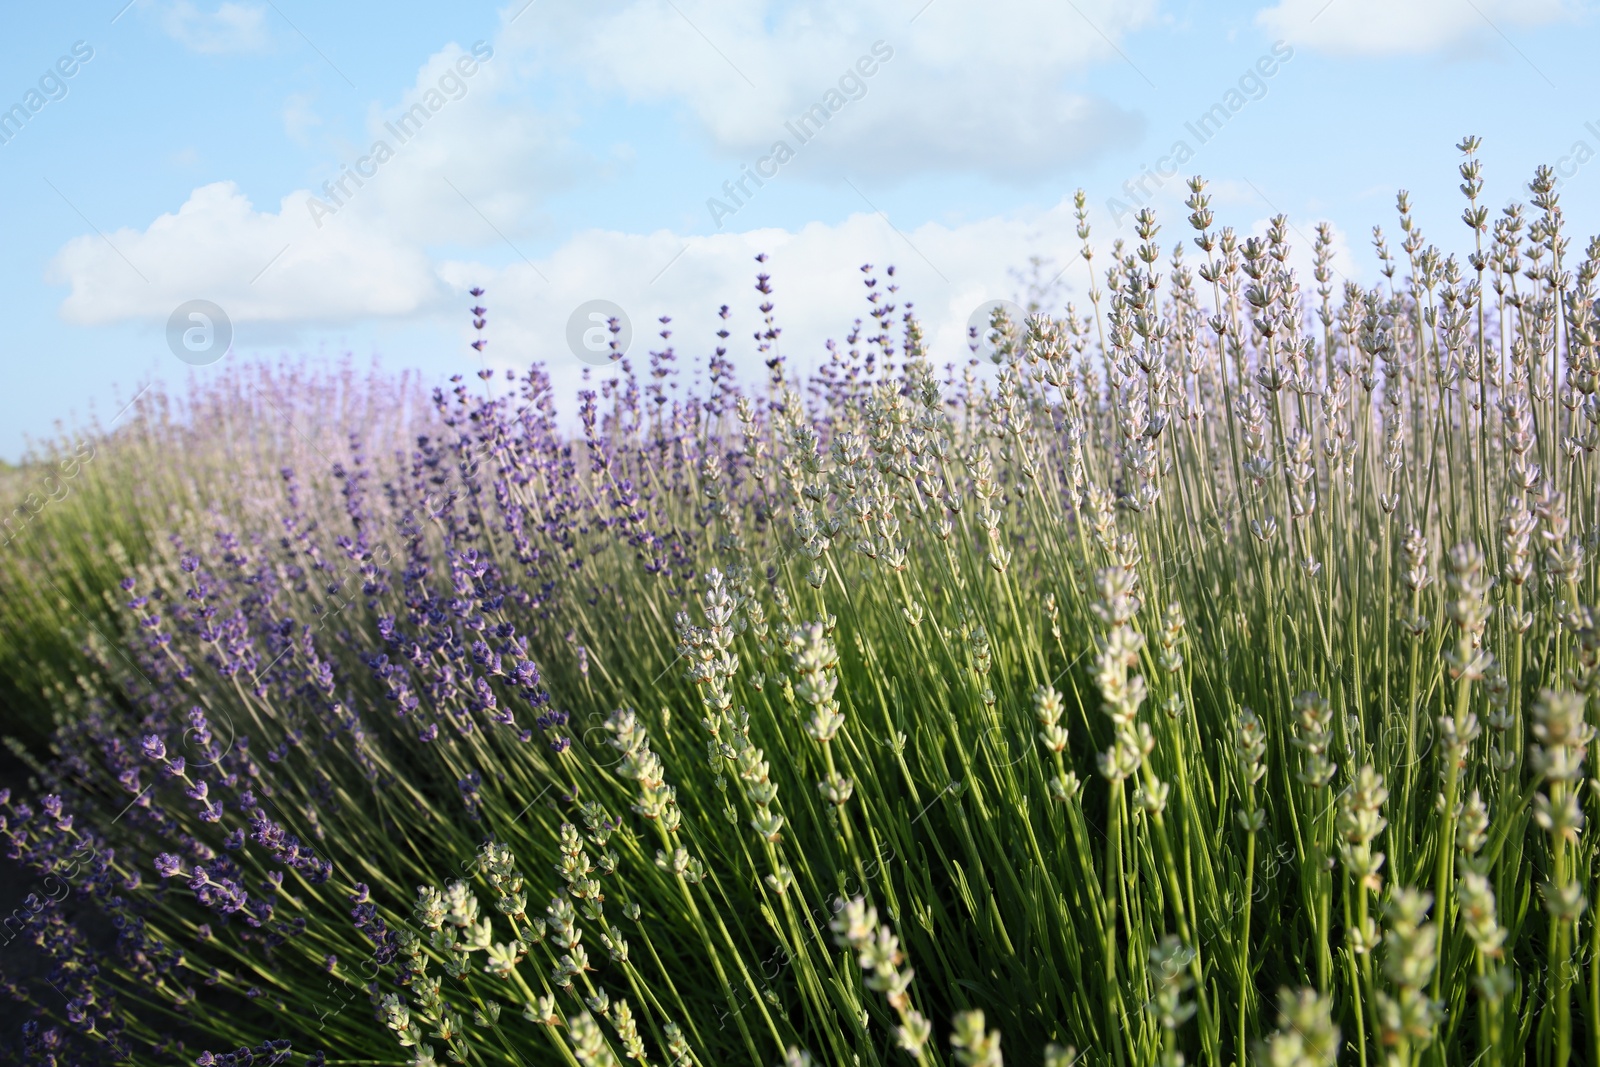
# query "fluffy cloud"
(233, 27)
(482, 165)
(960, 90)
(217, 242)
(259, 266)
(1383, 27)
(275, 267)
(982, 88)
(364, 245)
(466, 169)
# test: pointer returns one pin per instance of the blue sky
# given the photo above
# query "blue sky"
(185, 158)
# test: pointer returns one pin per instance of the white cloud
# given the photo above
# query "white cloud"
(980, 88)
(483, 154)
(484, 163)
(218, 247)
(214, 246)
(961, 90)
(217, 242)
(233, 27)
(1387, 27)
(474, 158)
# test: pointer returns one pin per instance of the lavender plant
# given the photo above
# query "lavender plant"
(1072, 708)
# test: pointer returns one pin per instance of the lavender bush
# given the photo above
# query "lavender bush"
(88, 505)
(1212, 680)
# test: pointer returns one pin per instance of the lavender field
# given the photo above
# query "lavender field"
(1209, 676)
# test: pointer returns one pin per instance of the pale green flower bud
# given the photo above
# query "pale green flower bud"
(1306, 1035)
(914, 1032)
(974, 1046)
(1057, 1056)
(543, 1011)
(431, 908)
(589, 1044)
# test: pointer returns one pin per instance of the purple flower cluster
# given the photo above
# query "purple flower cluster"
(388, 633)
(72, 862)
(263, 1055)
(287, 849)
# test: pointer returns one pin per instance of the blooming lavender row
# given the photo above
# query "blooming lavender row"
(1217, 670)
